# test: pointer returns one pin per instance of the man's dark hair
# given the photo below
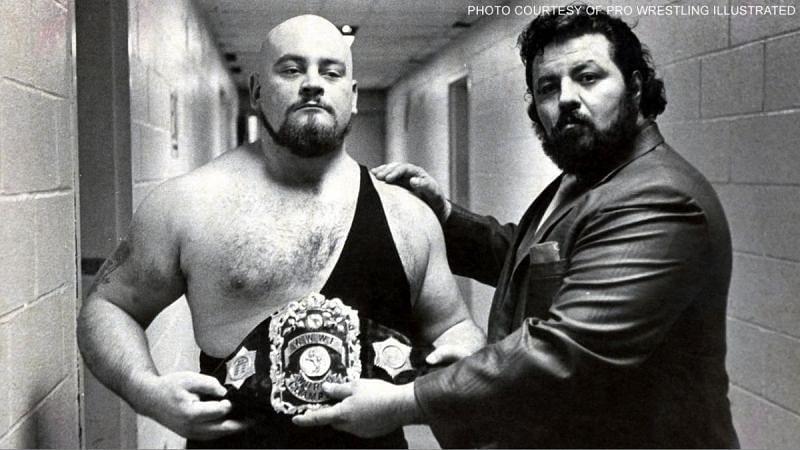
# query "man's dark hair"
(626, 51)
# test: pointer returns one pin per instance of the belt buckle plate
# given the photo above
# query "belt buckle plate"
(314, 340)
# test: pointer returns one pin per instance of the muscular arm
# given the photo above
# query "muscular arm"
(138, 281)
(440, 310)
(441, 315)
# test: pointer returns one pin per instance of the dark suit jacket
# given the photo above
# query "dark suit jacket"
(615, 340)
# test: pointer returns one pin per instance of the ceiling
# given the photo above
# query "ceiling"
(393, 36)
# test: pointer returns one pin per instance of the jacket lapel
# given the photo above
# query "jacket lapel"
(576, 192)
(502, 310)
(536, 210)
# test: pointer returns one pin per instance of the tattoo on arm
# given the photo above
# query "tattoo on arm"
(120, 255)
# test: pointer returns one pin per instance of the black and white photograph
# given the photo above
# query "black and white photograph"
(399, 224)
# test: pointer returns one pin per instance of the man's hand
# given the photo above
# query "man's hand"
(416, 180)
(447, 354)
(174, 401)
(369, 408)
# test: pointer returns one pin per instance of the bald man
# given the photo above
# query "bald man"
(261, 226)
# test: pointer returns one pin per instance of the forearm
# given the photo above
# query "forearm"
(408, 406)
(114, 347)
(464, 334)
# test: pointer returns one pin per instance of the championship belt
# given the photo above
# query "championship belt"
(314, 341)
(283, 362)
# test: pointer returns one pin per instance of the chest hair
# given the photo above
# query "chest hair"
(279, 247)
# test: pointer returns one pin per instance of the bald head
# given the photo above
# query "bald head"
(306, 31)
(305, 90)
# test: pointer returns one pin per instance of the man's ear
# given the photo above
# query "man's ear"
(636, 86)
(255, 89)
(354, 106)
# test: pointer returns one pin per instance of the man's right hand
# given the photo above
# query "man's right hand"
(416, 180)
(174, 400)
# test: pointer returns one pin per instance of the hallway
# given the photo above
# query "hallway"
(102, 101)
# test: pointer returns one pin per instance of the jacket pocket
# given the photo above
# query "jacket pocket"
(537, 289)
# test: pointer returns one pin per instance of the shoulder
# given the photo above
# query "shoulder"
(414, 227)
(660, 184)
(182, 199)
(659, 175)
(405, 212)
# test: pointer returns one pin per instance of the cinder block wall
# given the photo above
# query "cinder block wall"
(734, 91)
(173, 54)
(733, 87)
(38, 285)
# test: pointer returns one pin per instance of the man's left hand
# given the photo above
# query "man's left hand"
(368, 408)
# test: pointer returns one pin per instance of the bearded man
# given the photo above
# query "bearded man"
(607, 328)
(274, 244)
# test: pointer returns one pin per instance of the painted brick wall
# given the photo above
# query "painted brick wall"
(173, 54)
(733, 85)
(38, 286)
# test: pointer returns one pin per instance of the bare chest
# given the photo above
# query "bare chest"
(266, 253)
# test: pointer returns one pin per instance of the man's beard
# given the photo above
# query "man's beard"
(309, 140)
(585, 151)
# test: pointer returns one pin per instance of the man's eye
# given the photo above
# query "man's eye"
(588, 78)
(332, 74)
(290, 71)
(546, 89)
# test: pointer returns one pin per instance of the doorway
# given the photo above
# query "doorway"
(105, 195)
(458, 112)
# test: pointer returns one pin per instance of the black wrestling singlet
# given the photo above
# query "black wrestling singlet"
(369, 277)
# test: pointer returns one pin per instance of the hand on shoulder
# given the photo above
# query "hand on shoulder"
(417, 181)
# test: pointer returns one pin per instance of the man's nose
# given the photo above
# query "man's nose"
(569, 96)
(312, 85)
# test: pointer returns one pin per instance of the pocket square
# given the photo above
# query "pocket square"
(544, 252)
